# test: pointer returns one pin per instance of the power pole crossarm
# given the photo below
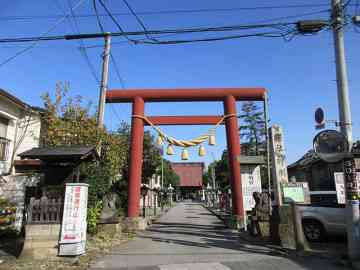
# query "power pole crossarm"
(104, 81)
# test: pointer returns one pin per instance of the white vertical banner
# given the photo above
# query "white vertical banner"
(73, 228)
(251, 182)
(278, 161)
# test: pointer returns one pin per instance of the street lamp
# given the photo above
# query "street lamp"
(156, 190)
(228, 201)
(144, 191)
(171, 189)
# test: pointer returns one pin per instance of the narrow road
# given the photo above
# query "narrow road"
(190, 237)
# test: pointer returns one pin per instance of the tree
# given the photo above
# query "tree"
(221, 167)
(68, 121)
(253, 129)
(222, 171)
(170, 177)
(151, 157)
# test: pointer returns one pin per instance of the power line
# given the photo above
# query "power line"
(97, 17)
(83, 50)
(35, 42)
(152, 32)
(138, 20)
(113, 61)
(115, 21)
(160, 12)
(265, 34)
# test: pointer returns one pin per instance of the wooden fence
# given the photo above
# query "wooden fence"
(45, 211)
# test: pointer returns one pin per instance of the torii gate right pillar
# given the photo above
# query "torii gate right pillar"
(233, 145)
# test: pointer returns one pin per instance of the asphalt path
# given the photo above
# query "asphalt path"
(189, 237)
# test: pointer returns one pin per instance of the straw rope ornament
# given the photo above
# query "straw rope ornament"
(162, 137)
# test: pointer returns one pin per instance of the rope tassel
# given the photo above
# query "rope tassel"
(159, 140)
(170, 150)
(202, 151)
(185, 154)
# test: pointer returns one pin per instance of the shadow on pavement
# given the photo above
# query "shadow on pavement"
(217, 235)
(210, 236)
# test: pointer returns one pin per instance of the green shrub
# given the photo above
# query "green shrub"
(93, 217)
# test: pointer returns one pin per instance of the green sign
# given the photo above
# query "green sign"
(294, 194)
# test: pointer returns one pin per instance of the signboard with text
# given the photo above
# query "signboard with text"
(296, 192)
(73, 229)
(279, 166)
(251, 182)
(351, 183)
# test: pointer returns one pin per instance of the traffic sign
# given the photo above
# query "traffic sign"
(319, 118)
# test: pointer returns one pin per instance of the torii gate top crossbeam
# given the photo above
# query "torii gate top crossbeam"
(184, 120)
(184, 94)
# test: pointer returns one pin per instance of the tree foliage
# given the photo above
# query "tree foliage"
(253, 127)
(69, 122)
(170, 177)
(221, 169)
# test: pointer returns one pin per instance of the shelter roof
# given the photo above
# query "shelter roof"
(61, 153)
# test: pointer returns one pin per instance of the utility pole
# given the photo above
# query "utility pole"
(104, 80)
(352, 205)
(341, 72)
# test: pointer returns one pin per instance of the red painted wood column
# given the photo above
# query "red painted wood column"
(233, 144)
(136, 155)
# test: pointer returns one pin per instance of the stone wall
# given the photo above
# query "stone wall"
(12, 188)
(41, 241)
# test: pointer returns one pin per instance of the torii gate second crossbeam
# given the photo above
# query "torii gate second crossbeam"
(229, 96)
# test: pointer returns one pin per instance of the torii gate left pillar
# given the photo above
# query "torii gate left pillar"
(228, 96)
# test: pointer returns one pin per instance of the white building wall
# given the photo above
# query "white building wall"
(32, 134)
(17, 117)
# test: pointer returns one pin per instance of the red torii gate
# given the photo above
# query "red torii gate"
(228, 96)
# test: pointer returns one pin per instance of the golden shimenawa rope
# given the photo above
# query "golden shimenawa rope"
(184, 143)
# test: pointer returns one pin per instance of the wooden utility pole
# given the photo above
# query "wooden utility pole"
(104, 80)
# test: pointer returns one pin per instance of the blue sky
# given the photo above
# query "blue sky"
(299, 75)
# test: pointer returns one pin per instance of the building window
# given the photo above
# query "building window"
(4, 142)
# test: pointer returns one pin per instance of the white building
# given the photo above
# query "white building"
(20, 126)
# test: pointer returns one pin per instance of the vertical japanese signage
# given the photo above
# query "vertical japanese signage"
(73, 229)
(352, 187)
(279, 167)
(340, 187)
